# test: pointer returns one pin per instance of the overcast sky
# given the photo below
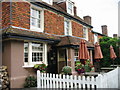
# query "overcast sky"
(103, 12)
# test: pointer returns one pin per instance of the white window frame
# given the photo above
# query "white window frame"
(85, 33)
(95, 38)
(34, 28)
(70, 27)
(30, 63)
(76, 56)
(67, 4)
(48, 1)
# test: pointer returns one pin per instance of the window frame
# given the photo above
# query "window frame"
(95, 38)
(85, 33)
(69, 28)
(67, 4)
(30, 51)
(76, 56)
(35, 28)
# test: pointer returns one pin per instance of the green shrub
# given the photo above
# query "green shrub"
(41, 67)
(30, 81)
(67, 70)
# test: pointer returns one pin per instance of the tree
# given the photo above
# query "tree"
(105, 43)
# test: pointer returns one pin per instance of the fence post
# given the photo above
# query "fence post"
(38, 79)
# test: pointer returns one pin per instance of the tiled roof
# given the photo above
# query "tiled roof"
(29, 33)
(66, 40)
(70, 40)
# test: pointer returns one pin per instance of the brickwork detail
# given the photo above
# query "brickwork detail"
(77, 29)
(21, 14)
(53, 23)
(5, 14)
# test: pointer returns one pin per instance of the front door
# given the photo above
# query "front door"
(52, 60)
(62, 59)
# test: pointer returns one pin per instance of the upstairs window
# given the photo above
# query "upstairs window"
(67, 27)
(95, 38)
(37, 19)
(70, 7)
(85, 33)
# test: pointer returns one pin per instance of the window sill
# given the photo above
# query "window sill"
(28, 66)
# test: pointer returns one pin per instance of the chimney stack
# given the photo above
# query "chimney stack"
(104, 30)
(75, 11)
(115, 35)
(87, 19)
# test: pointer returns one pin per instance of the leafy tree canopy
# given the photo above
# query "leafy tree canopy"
(105, 43)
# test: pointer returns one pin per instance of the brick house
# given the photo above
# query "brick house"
(36, 32)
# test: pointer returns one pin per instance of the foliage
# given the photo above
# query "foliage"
(67, 70)
(88, 66)
(41, 67)
(105, 43)
(80, 68)
(30, 81)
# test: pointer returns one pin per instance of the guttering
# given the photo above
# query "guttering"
(58, 11)
(10, 35)
(74, 46)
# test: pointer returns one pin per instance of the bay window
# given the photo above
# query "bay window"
(35, 53)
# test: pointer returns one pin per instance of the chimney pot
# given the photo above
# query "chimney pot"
(87, 19)
(115, 35)
(75, 11)
(104, 30)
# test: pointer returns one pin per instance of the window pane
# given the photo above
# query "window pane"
(37, 52)
(76, 54)
(26, 52)
(35, 18)
(37, 56)
(26, 57)
(67, 27)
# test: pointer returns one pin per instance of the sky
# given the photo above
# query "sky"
(103, 12)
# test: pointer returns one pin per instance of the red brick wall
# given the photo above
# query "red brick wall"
(99, 36)
(77, 29)
(21, 14)
(53, 23)
(5, 14)
(90, 35)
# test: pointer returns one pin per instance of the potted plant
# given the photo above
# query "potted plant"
(67, 70)
(88, 66)
(42, 67)
(79, 67)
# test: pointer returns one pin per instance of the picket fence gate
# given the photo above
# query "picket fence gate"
(107, 80)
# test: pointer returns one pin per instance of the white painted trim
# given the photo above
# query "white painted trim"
(86, 31)
(70, 26)
(49, 2)
(45, 54)
(72, 7)
(30, 63)
(32, 28)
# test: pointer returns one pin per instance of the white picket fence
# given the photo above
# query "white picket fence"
(107, 80)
